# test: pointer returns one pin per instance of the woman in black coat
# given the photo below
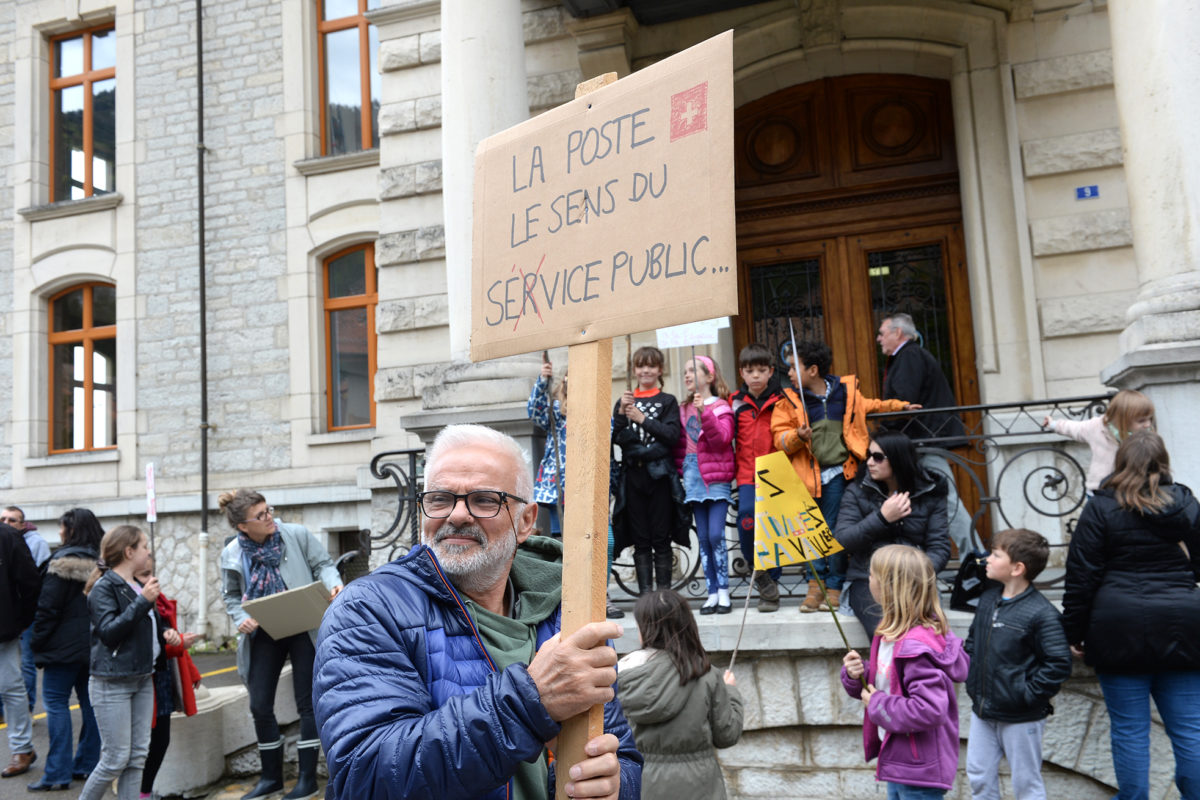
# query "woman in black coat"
(62, 646)
(895, 502)
(1131, 610)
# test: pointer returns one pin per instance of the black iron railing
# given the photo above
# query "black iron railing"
(406, 469)
(1016, 466)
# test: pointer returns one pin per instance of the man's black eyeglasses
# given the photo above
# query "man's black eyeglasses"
(482, 504)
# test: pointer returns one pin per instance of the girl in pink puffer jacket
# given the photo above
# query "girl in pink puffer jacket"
(704, 456)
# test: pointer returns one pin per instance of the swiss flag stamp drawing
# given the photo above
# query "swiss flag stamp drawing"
(689, 111)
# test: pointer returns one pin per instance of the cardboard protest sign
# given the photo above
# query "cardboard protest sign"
(611, 214)
(691, 334)
(788, 525)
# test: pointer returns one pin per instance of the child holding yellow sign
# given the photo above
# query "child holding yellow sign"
(822, 426)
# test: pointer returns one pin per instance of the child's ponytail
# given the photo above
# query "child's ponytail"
(112, 551)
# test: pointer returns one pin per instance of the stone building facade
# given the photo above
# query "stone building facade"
(1073, 196)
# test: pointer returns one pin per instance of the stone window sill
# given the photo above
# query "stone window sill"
(111, 455)
(326, 164)
(341, 437)
(70, 208)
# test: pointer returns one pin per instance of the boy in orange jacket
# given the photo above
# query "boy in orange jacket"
(823, 430)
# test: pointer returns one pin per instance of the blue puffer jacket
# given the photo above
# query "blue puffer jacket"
(409, 703)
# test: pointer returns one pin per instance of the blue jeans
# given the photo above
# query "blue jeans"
(710, 530)
(28, 669)
(124, 708)
(57, 682)
(832, 569)
(746, 528)
(901, 791)
(1177, 697)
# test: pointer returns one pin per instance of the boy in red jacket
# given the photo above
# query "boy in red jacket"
(752, 407)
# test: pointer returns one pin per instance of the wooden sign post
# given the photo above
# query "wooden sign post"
(608, 215)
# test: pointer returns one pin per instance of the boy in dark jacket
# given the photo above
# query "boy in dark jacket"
(1019, 660)
(752, 407)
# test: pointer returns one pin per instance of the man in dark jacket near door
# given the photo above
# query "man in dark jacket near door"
(912, 374)
(20, 583)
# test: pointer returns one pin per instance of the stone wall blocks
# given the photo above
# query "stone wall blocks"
(814, 692)
(455, 395)
(795, 783)
(399, 53)
(778, 690)
(765, 749)
(428, 177)
(397, 182)
(1076, 233)
(396, 248)
(397, 117)
(1077, 151)
(553, 89)
(394, 315)
(431, 311)
(431, 242)
(544, 24)
(830, 747)
(1063, 74)
(1091, 313)
(431, 47)
(428, 112)
(394, 383)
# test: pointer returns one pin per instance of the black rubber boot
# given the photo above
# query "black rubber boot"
(271, 780)
(662, 569)
(768, 592)
(306, 787)
(643, 564)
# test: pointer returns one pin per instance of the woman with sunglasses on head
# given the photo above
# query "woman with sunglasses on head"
(894, 502)
(266, 557)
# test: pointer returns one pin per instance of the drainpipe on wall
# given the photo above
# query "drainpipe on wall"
(202, 550)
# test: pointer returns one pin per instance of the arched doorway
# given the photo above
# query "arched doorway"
(848, 208)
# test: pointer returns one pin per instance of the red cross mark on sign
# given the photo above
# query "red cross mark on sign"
(689, 111)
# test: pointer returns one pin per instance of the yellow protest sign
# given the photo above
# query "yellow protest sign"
(788, 525)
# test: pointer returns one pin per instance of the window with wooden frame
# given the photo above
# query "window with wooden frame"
(83, 368)
(350, 298)
(349, 79)
(83, 133)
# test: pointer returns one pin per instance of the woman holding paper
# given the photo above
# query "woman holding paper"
(267, 557)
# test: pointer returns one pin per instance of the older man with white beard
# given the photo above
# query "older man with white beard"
(443, 674)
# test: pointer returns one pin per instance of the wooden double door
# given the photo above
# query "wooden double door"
(848, 210)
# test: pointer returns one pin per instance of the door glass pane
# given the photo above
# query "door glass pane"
(68, 143)
(347, 276)
(104, 49)
(67, 396)
(783, 292)
(350, 395)
(343, 87)
(104, 305)
(104, 393)
(912, 280)
(104, 136)
(68, 311)
(68, 57)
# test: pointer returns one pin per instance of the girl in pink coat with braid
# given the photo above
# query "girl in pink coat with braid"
(704, 456)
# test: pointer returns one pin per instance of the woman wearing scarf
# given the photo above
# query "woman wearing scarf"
(267, 557)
